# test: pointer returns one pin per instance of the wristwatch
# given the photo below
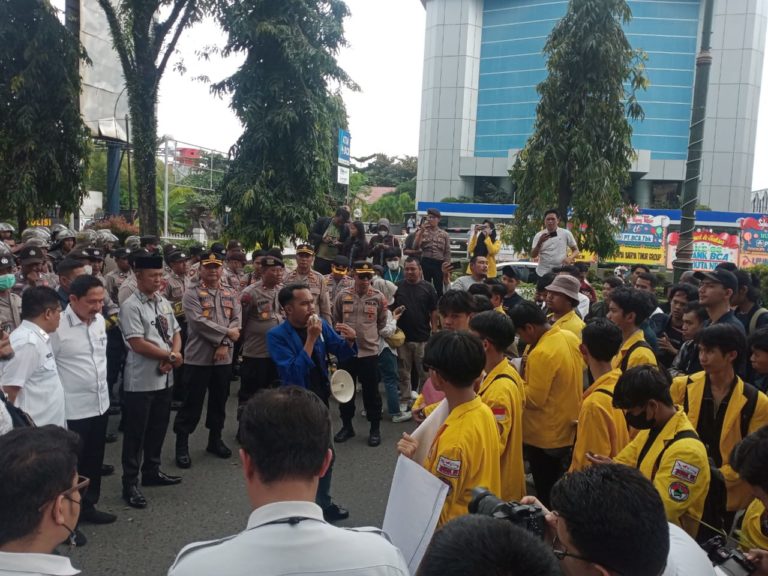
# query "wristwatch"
(172, 357)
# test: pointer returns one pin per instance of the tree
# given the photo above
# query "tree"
(390, 206)
(383, 170)
(43, 140)
(144, 43)
(580, 152)
(286, 96)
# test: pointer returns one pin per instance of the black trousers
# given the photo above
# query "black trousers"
(145, 422)
(179, 390)
(323, 494)
(92, 432)
(115, 360)
(366, 371)
(547, 467)
(256, 374)
(433, 273)
(198, 380)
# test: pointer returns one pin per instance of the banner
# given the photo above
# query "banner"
(754, 242)
(642, 241)
(709, 249)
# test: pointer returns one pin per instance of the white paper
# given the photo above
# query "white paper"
(427, 430)
(415, 501)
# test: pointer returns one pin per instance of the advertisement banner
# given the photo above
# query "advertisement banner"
(642, 241)
(754, 242)
(709, 249)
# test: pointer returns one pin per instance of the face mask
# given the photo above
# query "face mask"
(382, 233)
(393, 264)
(7, 281)
(639, 421)
(88, 270)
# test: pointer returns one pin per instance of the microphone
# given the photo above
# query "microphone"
(315, 319)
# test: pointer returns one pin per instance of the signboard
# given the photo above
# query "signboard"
(343, 175)
(754, 242)
(709, 249)
(344, 146)
(642, 241)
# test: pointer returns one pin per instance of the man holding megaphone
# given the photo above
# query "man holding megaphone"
(300, 347)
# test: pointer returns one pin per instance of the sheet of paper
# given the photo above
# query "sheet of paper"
(428, 429)
(413, 509)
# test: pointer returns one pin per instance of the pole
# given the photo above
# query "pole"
(683, 260)
(128, 150)
(165, 192)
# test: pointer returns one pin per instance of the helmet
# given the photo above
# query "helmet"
(86, 237)
(36, 232)
(104, 236)
(65, 234)
(5, 249)
(133, 242)
(5, 227)
(36, 242)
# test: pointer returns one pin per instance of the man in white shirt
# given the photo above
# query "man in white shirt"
(551, 245)
(40, 496)
(30, 378)
(80, 348)
(286, 448)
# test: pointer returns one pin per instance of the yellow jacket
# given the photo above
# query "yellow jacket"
(493, 249)
(739, 493)
(571, 322)
(602, 429)
(640, 355)
(500, 391)
(553, 388)
(682, 476)
(752, 535)
(465, 454)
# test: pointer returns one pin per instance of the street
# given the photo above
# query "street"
(211, 502)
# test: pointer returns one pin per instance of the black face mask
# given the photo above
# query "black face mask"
(639, 421)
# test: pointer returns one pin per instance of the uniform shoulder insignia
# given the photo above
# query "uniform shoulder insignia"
(196, 546)
(685, 472)
(448, 467)
(679, 491)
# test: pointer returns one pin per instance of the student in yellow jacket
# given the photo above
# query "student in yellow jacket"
(465, 453)
(501, 392)
(666, 449)
(748, 459)
(485, 242)
(553, 377)
(602, 429)
(628, 308)
(562, 301)
(721, 407)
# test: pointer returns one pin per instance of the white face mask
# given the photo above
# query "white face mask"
(382, 233)
(88, 269)
(393, 264)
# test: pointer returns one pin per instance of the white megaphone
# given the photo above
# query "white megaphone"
(342, 386)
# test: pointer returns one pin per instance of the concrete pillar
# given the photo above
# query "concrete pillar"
(114, 159)
(642, 193)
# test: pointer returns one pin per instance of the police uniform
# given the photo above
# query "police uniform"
(367, 315)
(261, 313)
(114, 280)
(339, 279)
(316, 283)
(10, 303)
(210, 314)
(502, 391)
(679, 470)
(465, 454)
(127, 287)
(30, 255)
(175, 286)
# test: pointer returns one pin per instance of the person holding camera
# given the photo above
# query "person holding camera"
(478, 266)
(434, 245)
(551, 245)
(485, 242)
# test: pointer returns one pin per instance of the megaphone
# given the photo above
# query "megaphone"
(342, 386)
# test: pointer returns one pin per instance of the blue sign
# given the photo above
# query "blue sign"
(344, 142)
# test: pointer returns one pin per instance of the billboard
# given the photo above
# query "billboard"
(642, 241)
(754, 242)
(709, 249)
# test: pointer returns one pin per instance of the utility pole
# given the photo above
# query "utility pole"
(683, 259)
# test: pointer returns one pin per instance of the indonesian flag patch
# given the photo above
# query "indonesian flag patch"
(448, 468)
(686, 472)
(500, 413)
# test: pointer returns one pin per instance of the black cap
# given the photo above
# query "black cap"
(433, 212)
(6, 261)
(177, 256)
(148, 262)
(79, 254)
(95, 253)
(720, 276)
(121, 253)
(363, 267)
(144, 240)
(510, 272)
(271, 262)
(305, 249)
(210, 257)
(340, 262)
(137, 253)
(30, 255)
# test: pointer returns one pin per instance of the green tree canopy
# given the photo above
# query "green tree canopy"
(382, 170)
(580, 152)
(286, 95)
(43, 140)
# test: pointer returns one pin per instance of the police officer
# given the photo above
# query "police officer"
(10, 303)
(129, 285)
(114, 279)
(32, 269)
(304, 274)
(364, 309)
(233, 271)
(64, 242)
(175, 286)
(339, 278)
(213, 326)
(261, 313)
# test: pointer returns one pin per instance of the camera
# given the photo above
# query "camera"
(729, 560)
(530, 518)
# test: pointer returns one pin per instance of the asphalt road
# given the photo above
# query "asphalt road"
(211, 501)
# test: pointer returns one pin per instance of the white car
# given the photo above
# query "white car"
(522, 267)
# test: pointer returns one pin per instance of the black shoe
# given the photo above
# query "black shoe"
(374, 438)
(107, 469)
(334, 513)
(93, 516)
(159, 479)
(344, 434)
(182, 451)
(176, 405)
(217, 447)
(77, 539)
(111, 438)
(133, 497)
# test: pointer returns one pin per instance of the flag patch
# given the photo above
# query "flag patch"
(448, 468)
(686, 472)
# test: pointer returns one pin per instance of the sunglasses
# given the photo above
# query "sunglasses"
(365, 276)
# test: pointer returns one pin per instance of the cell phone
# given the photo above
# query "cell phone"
(456, 265)
(553, 234)
(423, 219)
(399, 309)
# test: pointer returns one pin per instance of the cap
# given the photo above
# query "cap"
(95, 253)
(720, 276)
(121, 253)
(340, 262)
(271, 262)
(6, 262)
(567, 285)
(305, 249)
(148, 261)
(510, 272)
(433, 212)
(170, 248)
(137, 253)
(210, 257)
(234, 245)
(363, 267)
(239, 256)
(177, 256)
(31, 255)
(79, 254)
(144, 240)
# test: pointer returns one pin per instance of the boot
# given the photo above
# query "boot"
(216, 445)
(374, 436)
(182, 450)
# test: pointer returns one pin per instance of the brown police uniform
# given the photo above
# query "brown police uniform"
(10, 311)
(113, 281)
(317, 286)
(335, 287)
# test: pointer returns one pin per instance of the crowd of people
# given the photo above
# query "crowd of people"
(635, 423)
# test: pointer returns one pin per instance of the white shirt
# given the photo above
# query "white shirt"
(81, 356)
(554, 250)
(686, 558)
(23, 564)
(33, 369)
(309, 547)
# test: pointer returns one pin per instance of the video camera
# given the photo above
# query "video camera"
(729, 561)
(530, 518)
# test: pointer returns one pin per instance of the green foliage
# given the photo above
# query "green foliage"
(286, 96)
(761, 271)
(407, 187)
(43, 140)
(580, 152)
(382, 170)
(390, 206)
(118, 226)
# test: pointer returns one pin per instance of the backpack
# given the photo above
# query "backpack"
(635, 346)
(755, 317)
(19, 418)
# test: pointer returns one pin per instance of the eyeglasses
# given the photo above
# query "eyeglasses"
(81, 486)
(561, 552)
(365, 276)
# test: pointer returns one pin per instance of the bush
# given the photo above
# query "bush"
(118, 225)
(761, 271)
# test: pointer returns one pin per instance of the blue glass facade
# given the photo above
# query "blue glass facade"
(512, 64)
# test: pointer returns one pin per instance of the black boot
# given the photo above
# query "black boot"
(182, 450)
(374, 436)
(345, 433)
(216, 445)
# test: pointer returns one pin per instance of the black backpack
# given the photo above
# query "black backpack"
(19, 418)
(636, 345)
